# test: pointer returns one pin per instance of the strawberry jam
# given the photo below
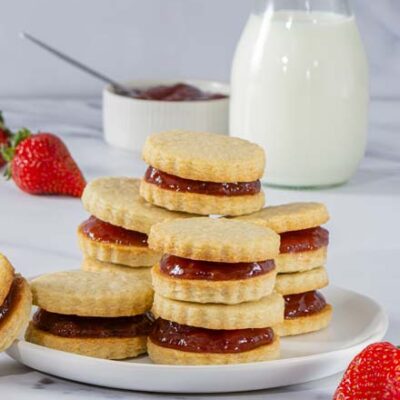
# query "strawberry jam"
(185, 268)
(73, 326)
(177, 184)
(201, 340)
(303, 304)
(176, 92)
(101, 231)
(11, 299)
(304, 240)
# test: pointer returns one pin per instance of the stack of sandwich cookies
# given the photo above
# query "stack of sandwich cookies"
(301, 262)
(97, 314)
(15, 303)
(213, 285)
(116, 232)
(203, 173)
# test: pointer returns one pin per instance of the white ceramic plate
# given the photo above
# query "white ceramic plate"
(357, 322)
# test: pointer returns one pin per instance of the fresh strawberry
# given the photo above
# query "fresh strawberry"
(374, 374)
(4, 137)
(41, 164)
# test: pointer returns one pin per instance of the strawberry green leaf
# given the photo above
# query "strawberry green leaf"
(19, 137)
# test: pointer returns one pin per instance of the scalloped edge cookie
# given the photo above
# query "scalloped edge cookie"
(205, 156)
(130, 256)
(164, 355)
(300, 282)
(307, 324)
(90, 264)
(107, 348)
(221, 292)
(265, 312)
(116, 200)
(203, 204)
(6, 277)
(92, 294)
(211, 239)
(301, 261)
(13, 324)
(290, 217)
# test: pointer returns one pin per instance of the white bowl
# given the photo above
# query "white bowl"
(127, 121)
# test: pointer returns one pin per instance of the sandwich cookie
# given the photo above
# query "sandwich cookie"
(207, 260)
(189, 333)
(91, 264)
(97, 314)
(303, 241)
(15, 303)
(117, 230)
(305, 308)
(203, 173)
(304, 313)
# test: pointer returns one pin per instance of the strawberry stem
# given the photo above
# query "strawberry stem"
(8, 152)
(2, 123)
(3, 126)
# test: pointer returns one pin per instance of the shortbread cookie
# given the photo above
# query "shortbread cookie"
(301, 261)
(300, 282)
(105, 242)
(14, 311)
(112, 338)
(171, 343)
(268, 311)
(116, 200)
(202, 204)
(220, 290)
(6, 277)
(290, 217)
(93, 294)
(219, 240)
(110, 348)
(205, 156)
(306, 323)
(90, 264)
(163, 355)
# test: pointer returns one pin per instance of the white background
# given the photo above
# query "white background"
(156, 39)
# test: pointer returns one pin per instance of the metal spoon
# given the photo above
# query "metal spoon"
(121, 89)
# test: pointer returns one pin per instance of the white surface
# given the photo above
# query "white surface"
(127, 121)
(38, 234)
(300, 89)
(138, 39)
(357, 322)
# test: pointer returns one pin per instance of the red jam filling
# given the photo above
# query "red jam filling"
(185, 268)
(101, 231)
(177, 184)
(11, 299)
(201, 340)
(304, 240)
(177, 92)
(303, 304)
(73, 326)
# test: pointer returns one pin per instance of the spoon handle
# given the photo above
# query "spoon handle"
(75, 63)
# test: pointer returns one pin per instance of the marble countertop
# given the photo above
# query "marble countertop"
(38, 233)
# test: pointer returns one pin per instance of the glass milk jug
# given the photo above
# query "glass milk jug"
(300, 89)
